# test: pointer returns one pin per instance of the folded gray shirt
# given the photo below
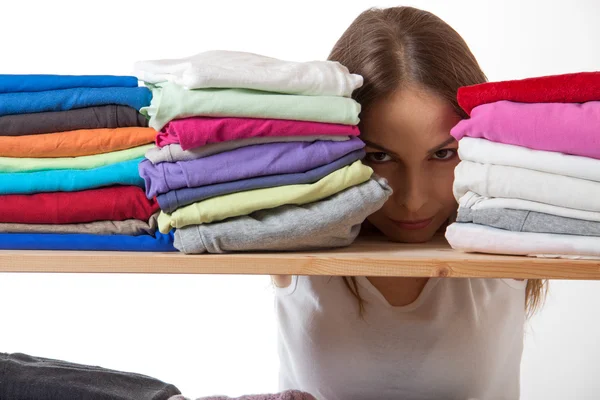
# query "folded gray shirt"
(131, 227)
(329, 223)
(528, 221)
(98, 117)
(174, 152)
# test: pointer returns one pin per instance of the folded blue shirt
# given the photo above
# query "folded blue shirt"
(80, 241)
(69, 99)
(175, 199)
(38, 83)
(71, 180)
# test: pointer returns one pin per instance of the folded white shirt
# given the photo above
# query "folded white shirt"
(476, 202)
(233, 69)
(519, 183)
(475, 238)
(487, 152)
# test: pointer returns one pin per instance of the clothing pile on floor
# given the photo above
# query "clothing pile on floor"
(287, 395)
(69, 153)
(529, 179)
(25, 377)
(256, 153)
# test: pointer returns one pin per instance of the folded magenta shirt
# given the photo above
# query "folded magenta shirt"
(199, 131)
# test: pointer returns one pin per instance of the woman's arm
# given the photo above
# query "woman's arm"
(281, 281)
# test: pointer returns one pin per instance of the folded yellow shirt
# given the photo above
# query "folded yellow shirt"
(244, 203)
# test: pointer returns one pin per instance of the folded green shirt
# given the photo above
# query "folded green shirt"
(11, 164)
(170, 101)
(244, 203)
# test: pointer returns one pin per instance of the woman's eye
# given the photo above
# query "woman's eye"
(378, 157)
(445, 154)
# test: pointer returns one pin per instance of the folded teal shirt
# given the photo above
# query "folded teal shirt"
(37, 83)
(80, 241)
(69, 99)
(64, 180)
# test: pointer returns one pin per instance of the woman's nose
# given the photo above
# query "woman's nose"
(412, 192)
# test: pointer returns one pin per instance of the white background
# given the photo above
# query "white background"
(215, 334)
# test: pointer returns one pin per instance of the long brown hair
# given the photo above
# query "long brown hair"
(392, 47)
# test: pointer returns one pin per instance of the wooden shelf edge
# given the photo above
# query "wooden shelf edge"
(366, 257)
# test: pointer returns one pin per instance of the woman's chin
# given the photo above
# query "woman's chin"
(412, 236)
(394, 233)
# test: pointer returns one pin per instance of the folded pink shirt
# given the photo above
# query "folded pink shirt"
(199, 131)
(568, 128)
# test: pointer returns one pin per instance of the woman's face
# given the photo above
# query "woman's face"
(409, 143)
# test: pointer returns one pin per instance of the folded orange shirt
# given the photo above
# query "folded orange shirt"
(84, 142)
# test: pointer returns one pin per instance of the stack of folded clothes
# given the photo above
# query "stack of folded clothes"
(255, 153)
(529, 179)
(69, 153)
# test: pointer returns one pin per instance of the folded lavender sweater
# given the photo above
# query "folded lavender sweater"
(243, 163)
(175, 199)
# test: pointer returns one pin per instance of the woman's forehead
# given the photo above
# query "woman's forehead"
(409, 117)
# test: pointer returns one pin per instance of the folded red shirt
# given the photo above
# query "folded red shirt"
(568, 88)
(115, 203)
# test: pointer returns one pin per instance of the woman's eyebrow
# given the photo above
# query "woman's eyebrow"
(442, 145)
(379, 147)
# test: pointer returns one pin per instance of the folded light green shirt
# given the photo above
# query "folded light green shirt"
(244, 203)
(11, 164)
(170, 101)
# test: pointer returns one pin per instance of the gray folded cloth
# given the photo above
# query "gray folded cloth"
(174, 152)
(287, 395)
(109, 116)
(528, 221)
(131, 227)
(329, 223)
(24, 377)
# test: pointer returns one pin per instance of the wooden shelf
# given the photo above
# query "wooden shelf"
(366, 257)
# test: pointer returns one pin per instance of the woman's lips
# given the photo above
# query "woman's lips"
(413, 224)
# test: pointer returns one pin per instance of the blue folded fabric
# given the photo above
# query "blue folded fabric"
(80, 241)
(39, 83)
(175, 199)
(69, 99)
(71, 180)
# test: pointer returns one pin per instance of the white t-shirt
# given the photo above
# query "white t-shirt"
(461, 339)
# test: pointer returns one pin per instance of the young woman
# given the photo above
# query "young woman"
(404, 338)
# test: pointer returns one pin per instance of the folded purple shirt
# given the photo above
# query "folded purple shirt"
(175, 199)
(243, 163)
